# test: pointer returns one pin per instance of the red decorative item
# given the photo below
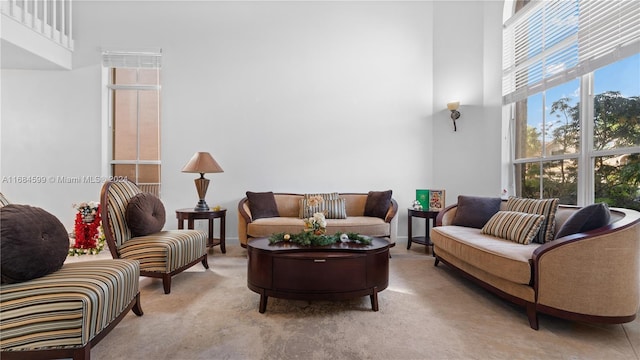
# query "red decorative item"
(86, 230)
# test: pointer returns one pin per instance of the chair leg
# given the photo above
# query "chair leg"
(166, 283)
(137, 308)
(205, 262)
(84, 353)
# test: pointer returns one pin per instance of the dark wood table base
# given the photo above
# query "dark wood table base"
(426, 239)
(191, 215)
(335, 272)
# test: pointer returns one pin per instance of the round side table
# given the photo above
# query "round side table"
(190, 215)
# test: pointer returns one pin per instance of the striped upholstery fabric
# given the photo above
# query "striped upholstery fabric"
(514, 226)
(332, 208)
(161, 252)
(66, 308)
(165, 251)
(546, 207)
(306, 210)
(119, 195)
(326, 196)
(3, 200)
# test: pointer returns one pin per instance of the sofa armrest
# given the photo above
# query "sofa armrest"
(445, 217)
(391, 213)
(244, 218)
(593, 273)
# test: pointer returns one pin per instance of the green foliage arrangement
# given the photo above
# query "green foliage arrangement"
(308, 238)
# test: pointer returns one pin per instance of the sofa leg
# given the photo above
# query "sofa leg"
(436, 262)
(532, 315)
(205, 262)
(166, 283)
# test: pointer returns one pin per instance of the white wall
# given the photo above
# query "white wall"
(50, 137)
(467, 51)
(292, 97)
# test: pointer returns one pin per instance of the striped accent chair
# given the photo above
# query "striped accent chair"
(65, 313)
(162, 254)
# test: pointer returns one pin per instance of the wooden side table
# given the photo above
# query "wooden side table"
(190, 215)
(424, 240)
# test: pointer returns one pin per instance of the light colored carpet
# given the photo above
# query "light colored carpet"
(426, 312)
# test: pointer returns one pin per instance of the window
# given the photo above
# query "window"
(134, 118)
(572, 81)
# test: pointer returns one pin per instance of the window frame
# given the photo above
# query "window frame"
(123, 60)
(586, 154)
(618, 47)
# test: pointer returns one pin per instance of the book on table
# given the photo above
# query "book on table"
(422, 195)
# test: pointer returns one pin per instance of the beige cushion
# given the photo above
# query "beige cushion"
(502, 258)
(514, 226)
(358, 224)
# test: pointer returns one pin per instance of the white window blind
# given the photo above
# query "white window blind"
(551, 42)
(123, 59)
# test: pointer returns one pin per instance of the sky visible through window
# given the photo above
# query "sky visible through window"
(622, 76)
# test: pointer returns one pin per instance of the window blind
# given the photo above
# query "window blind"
(123, 59)
(551, 42)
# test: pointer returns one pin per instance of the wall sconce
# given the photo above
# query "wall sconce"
(455, 114)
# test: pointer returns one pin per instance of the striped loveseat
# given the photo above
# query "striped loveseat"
(161, 254)
(64, 314)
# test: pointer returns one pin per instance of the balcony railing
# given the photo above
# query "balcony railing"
(50, 18)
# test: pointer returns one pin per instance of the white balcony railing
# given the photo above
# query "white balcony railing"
(50, 18)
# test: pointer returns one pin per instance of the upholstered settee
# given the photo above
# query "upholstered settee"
(67, 310)
(585, 268)
(263, 214)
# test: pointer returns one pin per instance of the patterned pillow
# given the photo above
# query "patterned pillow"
(331, 208)
(546, 207)
(515, 226)
(313, 199)
(326, 196)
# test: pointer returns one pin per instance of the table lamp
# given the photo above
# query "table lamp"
(202, 162)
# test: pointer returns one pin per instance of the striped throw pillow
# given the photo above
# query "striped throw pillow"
(326, 196)
(331, 208)
(546, 207)
(313, 199)
(515, 226)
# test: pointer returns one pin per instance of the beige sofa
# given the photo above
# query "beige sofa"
(289, 220)
(587, 276)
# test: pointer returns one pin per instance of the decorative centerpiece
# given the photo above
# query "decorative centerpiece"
(316, 224)
(88, 233)
(314, 234)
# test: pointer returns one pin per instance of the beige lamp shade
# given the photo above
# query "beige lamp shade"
(203, 163)
(454, 105)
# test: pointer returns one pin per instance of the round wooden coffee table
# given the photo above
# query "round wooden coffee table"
(333, 272)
